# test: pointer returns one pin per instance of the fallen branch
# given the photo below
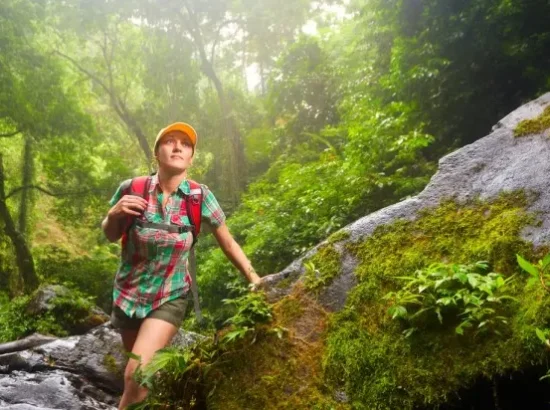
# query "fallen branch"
(32, 341)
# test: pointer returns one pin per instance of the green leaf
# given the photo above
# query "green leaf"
(462, 277)
(408, 332)
(133, 356)
(541, 335)
(473, 279)
(527, 266)
(399, 312)
(438, 313)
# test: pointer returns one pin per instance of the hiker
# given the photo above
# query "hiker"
(158, 218)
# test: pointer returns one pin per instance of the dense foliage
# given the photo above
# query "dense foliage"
(301, 131)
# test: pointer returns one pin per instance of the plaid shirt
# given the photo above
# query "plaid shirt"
(153, 268)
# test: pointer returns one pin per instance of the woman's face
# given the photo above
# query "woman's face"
(175, 152)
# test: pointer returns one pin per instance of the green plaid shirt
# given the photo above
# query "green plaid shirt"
(153, 266)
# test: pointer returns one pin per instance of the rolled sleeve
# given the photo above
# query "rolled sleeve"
(118, 194)
(211, 210)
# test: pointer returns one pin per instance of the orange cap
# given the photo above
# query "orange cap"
(178, 126)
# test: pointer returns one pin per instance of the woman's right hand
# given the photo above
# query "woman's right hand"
(128, 205)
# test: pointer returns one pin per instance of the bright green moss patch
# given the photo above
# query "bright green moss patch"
(111, 365)
(366, 351)
(535, 125)
(275, 365)
(322, 268)
(338, 236)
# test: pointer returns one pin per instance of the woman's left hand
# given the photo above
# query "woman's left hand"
(257, 285)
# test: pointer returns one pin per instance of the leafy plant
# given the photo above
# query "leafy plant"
(252, 309)
(69, 313)
(537, 272)
(464, 293)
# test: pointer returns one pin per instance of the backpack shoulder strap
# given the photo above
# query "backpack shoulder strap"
(125, 186)
(193, 202)
(139, 186)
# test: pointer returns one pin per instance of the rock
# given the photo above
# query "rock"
(43, 301)
(496, 163)
(53, 390)
(78, 372)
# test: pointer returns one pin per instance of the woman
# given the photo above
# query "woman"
(152, 281)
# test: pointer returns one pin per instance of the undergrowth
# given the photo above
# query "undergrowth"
(69, 313)
(274, 364)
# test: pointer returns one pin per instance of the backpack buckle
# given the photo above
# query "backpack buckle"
(195, 199)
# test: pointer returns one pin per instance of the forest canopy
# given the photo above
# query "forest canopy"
(310, 115)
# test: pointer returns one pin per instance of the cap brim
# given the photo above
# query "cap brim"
(183, 127)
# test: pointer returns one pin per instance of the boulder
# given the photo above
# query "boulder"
(494, 164)
(87, 316)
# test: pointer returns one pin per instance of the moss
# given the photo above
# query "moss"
(285, 283)
(535, 125)
(112, 366)
(289, 310)
(338, 236)
(366, 351)
(322, 268)
(278, 373)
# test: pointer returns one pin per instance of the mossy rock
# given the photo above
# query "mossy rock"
(367, 353)
(279, 373)
(535, 125)
(61, 311)
(322, 268)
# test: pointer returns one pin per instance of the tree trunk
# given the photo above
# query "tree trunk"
(262, 77)
(237, 163)
(26, 194)
(25, 262)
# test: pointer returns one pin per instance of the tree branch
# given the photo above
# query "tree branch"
(83, 70)
(217, 38)
(118, 105)
(11, 134)
(48, 192)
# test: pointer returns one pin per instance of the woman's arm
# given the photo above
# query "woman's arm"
(235, 254)
(112, 228)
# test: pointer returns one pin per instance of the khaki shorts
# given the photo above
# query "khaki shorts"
(172, 312)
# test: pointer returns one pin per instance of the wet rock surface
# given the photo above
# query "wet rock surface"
(75, 373)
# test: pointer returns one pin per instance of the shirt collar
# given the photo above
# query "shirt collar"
(183, 187)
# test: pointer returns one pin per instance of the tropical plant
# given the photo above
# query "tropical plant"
(538, 272)
(468, 294)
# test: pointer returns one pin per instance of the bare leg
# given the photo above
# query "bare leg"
(153, 334)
